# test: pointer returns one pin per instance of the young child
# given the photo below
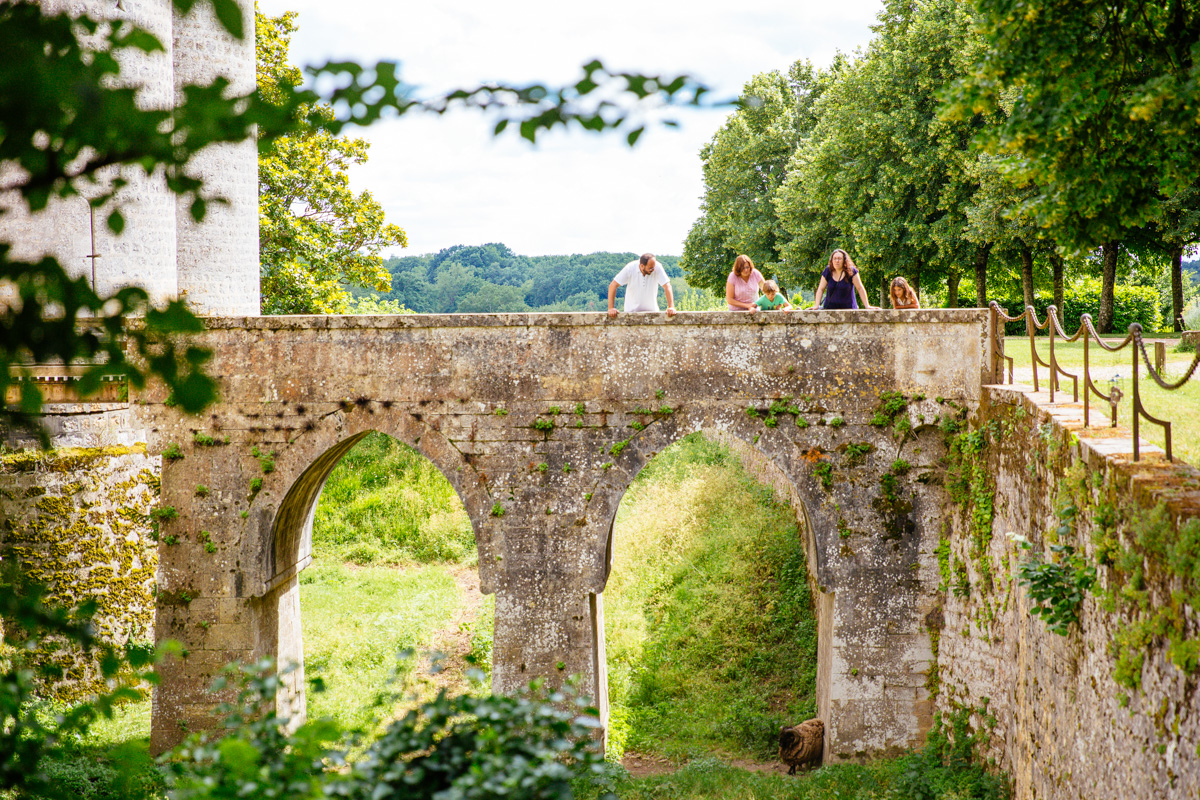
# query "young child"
(772, 299)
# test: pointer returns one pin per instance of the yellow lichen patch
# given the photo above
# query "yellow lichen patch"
(85, 544)
(64, 459)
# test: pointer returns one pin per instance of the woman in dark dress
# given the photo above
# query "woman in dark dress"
(840, 279)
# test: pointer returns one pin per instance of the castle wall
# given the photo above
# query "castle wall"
(1109, 710)
(76, 519)
(213, 263)
(143, 253)
(218, 269)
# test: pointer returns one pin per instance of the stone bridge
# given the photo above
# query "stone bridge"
(540, 422)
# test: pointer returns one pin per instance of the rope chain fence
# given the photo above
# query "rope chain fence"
(1133, 339)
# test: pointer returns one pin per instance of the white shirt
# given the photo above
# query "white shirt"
(641, 291)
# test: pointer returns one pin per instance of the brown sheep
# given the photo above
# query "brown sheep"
(800, 745)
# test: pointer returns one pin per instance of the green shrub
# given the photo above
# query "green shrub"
(363, 553)
(1130, 304)
(533, 745)
(482, 634)
(124, 773)
(1191, 315)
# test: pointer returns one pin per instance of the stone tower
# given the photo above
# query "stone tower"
(217, 259)
(213, 264)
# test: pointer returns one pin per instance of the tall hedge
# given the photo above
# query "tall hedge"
(1130, 304)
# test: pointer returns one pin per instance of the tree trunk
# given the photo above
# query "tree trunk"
(1026, 273)
(952, 289)
(916, 284)
(981, 259)
(1056, 264)
(1177, 288)
(1108, 284)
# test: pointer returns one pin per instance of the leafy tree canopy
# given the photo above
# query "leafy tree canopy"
(315, 234)
(1098, 105)
(744, 165)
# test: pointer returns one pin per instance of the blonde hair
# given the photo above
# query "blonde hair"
(770, 287)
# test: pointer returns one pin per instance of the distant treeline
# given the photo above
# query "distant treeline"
(492, 278)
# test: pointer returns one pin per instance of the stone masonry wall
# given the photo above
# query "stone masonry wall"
(540, 422)
(217, 258)
(1110, 710)
(143, 254)
(76, 519)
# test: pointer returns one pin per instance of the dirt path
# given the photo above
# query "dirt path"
(451, 644)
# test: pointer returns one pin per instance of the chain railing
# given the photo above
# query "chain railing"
(1133, 339)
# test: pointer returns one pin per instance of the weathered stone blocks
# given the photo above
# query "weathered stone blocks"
(489, 398)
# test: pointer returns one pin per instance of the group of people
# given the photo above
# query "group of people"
(747, 290)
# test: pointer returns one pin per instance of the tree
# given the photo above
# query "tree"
(881, 172)
(1179, 227)
(744, 165)
(491, 298)
(1101, 102)
(315, 235)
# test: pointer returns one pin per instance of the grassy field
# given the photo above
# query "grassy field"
(709, 629)
(385, 503)
(1181, 407)
(356, 620)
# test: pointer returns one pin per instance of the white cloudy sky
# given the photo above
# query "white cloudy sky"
(447, 181)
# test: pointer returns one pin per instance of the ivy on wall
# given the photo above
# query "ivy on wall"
(1139, 564)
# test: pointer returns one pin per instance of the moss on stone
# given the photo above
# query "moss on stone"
(95, 550)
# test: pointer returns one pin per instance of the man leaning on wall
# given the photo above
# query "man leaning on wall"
(641, 279)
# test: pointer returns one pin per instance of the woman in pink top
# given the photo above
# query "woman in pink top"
(741, 288)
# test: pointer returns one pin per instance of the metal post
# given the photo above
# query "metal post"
(1087, 384)
(1033, 358)
(1053, 361)
(1137, 402)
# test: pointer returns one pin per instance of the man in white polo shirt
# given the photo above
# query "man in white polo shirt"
(641, 280)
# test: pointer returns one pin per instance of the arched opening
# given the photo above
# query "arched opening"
(385, 561)
(711, 614)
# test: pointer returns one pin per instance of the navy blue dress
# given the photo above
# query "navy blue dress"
(839, 294)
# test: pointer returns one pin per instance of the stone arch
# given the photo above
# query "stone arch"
(286, 549)
(766, 467)
(789, 474)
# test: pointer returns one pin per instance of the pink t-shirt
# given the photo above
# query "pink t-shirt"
(745, 291)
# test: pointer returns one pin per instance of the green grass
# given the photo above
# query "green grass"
(709, 629)
(1180, 407)
(356, 620)
(384, 502)
(942, 770)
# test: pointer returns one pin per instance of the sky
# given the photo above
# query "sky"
(447, 181)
